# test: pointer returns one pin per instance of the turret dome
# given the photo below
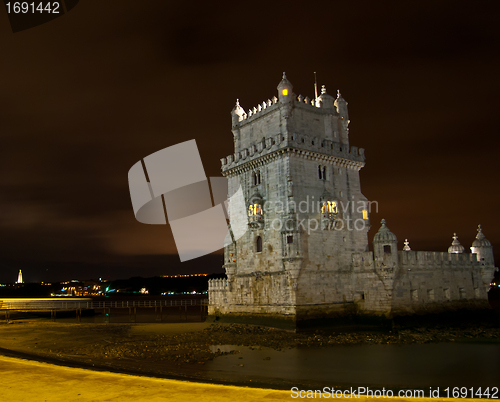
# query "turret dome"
(455, 247)
(384, 235)
(481, 240)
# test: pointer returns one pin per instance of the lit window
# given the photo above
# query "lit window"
(284, 92)
(254, 209)
(365, 214)
(329, 207)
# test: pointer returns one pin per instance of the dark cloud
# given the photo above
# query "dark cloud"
(86, 96)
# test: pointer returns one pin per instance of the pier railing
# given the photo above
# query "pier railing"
(88, 304)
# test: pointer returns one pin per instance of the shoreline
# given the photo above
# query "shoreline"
(182, 351)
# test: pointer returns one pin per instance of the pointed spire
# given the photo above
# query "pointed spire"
(480, 234)
(407, 246)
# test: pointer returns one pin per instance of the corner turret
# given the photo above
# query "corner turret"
(325, 100)
(341, 105)
(482, 247)
(385, 245)
(285, 90)
(237, 113)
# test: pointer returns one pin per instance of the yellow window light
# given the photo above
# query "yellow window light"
(365, 214)
(285, 92)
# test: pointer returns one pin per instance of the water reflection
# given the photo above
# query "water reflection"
(443, 364)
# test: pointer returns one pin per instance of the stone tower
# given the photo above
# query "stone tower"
(306, 212)
(304, 255)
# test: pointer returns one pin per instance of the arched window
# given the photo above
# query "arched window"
(259, 244)
(256, 178)
(322, 172)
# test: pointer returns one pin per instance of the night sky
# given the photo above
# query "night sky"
(84, 97)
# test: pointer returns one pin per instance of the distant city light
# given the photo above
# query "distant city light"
(182, 276)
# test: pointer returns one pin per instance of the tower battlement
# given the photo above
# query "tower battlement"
(327, 151)
(433, 259)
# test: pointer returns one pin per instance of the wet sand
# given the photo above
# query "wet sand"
(185, 350)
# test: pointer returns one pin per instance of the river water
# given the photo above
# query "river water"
(453, 364)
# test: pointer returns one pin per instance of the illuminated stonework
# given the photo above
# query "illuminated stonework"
(290, 151)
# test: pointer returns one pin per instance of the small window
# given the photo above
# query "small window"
(387, 249)
(446, 293)
(303, 141)
(359, 296)
(430, 294)
(365, 214)
(461, 292)
(259, 244)
(256, 178)
(322, 172)
(312, 142)
(414, 295)
(289, 239)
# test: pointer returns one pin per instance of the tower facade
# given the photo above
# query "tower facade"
(305, 254)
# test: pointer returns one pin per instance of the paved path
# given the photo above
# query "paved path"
(30, 381)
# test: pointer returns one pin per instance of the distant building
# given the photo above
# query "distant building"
(20, 277)
(306, 253)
